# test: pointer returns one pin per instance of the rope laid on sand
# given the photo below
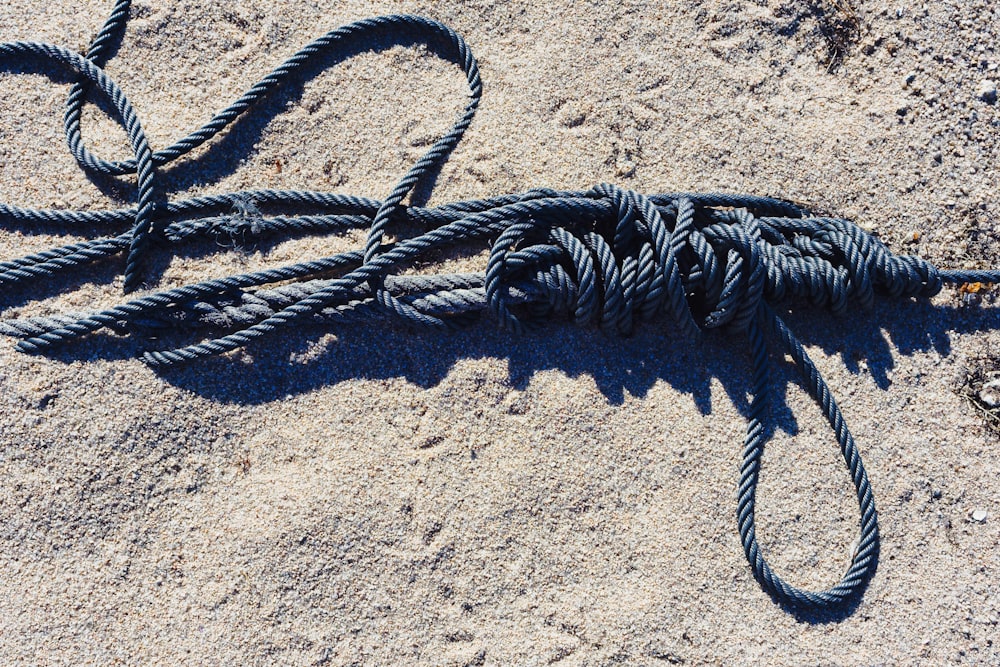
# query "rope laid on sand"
(605, 256)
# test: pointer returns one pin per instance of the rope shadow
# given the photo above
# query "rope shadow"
(617, 365)
(907, 326)
(299, 363)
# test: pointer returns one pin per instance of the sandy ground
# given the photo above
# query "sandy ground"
(379, 497)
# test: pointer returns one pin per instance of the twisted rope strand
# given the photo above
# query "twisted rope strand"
(607, 257)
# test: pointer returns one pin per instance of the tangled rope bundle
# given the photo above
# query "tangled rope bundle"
(605, 256)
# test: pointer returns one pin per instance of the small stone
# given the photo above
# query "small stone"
(990, 393)
(936, 494)
(987, 91)
(979, 516)
(625, 168)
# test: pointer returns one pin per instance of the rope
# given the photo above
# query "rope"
(606, 257)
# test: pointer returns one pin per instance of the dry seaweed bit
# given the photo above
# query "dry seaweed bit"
(980, 387)
(840, 26)
(606, 256)
(973, 288)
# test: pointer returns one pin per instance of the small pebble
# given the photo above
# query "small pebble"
(987, 91)
(979, 516)
(936, 494)
(625, 168)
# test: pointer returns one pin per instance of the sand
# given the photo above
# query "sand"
(380, 497)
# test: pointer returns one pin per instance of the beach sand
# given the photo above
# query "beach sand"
(378, 496)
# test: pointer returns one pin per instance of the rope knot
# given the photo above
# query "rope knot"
(631, 262)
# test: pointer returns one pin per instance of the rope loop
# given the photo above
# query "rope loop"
(606, 257)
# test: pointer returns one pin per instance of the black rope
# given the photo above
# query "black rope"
(606, 256)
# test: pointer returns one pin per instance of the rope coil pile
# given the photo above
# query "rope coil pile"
(606, 256)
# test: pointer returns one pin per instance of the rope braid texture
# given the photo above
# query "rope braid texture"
(604, 256)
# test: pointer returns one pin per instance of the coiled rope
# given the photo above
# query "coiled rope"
(604, 256)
